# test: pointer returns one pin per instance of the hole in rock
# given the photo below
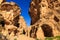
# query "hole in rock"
(47, 30)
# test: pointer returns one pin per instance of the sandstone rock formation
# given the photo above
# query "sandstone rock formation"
(45, 20)
(38, 7)
(1, 1)
(12, 25)
(36, 32)
(22, 27)
(2, 37)
(34, 11)
(45, 14)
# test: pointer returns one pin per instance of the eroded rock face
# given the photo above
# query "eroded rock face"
(22, 26)
(34, 11)
(35, 32)
(48, 18)
(40, 7)
(11, 15)
(45, 20)
(2, 37)
(11, 23)
(1, 1)
(22, 22)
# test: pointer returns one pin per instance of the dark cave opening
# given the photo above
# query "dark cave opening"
(47, 30)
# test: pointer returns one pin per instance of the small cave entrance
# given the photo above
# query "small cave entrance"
(47, 30)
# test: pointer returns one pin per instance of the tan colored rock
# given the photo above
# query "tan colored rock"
(34, 31)
(28, 31)
(38, 7)
(45, 20)
(2, 37)
(49, 16)
(11, 36)
(4, 32)
(11, 27)
(22, 22)
(21, 37)
(8, 30)
(22, 26)
(40, 34)
(1, 1)
(10, 13)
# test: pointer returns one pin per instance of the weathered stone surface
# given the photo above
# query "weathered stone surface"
(34, 11)
(40, 34)
(2, 37)
(45, 20)
(1, 1)
(41, 7)
(21, 37)
(35, 32)
(22, 22)
(10, 13)
(48, 17)
(22, 26)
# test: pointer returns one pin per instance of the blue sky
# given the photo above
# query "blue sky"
(24, 5)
